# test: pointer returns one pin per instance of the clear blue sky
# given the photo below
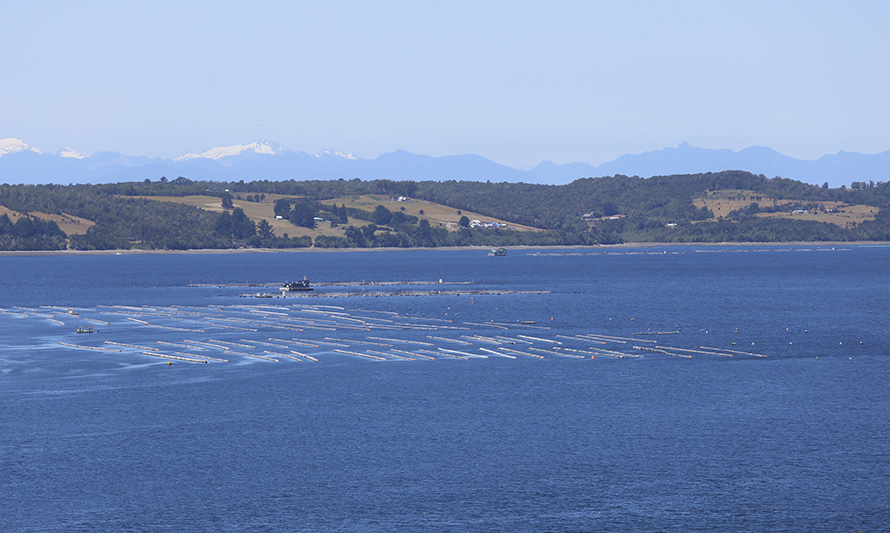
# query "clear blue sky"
(518, 82)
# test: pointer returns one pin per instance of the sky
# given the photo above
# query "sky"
(517, 82)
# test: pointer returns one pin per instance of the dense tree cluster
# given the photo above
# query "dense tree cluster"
(29, 233)
(235, 225)
(300, 211)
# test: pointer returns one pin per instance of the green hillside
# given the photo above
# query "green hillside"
(730, 206)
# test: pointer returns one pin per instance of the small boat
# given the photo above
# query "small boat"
(296, 286)
(71, 312)
(498, 252)
(81, 329)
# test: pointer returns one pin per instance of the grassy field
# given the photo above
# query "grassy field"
(723, 202)
(436, 214)
(70, 224)
(255, 211)
(843, 215)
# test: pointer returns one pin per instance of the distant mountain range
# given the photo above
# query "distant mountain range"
(23, 163)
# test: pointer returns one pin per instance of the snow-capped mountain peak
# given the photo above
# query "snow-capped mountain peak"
(70, 154)
(11, 146)
(257, 147)
(334, 153)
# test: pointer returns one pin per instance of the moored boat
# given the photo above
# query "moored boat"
(296, 286)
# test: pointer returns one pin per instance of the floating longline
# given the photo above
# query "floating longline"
(465, 354)
(286, 356)
(412, 354)
(304, 355)
(401, 341)
(386, 354)
(449, 340)
(735, 351)
(497, 353)
(359, 342)
(90, 347)
(368, 356)
(255, 356)
(538, 339)
(202, 357)
(176, 357)
(134, 346)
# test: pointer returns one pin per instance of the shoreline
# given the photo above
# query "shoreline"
(204, 251)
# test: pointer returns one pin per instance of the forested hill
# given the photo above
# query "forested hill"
(729, 206)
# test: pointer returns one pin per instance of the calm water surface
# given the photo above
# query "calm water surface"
(800, 440)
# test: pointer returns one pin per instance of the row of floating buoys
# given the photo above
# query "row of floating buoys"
(98, 348)
(735, 351)
(710, 352)
(353, 322)
(134, 346)
(359, 354)
(304, 356)
(446, 354)
(551, 352)
(659, 350)
(181, 345)
(464, 354)
(495, 352)
(528, 337)
(253, 355)
(202, 356)
(446, 339)
(286, 356)
(176, 357)
(387, 354)
(411, 354)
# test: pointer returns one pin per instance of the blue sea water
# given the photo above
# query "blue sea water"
(799, 440)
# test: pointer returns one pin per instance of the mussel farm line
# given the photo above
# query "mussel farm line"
(406, 292)
(331, 284)
(302, 332)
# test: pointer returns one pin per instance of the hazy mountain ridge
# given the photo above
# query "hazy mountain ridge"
(23, 163)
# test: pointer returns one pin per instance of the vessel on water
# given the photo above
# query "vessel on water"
(81, 329)
(296, 286)
(498, 252)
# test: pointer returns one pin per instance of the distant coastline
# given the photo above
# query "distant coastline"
(29, 253)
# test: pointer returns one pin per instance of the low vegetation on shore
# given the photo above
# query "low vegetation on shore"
(181, 214)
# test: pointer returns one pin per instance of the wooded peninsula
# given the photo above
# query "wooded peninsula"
(182, 214)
